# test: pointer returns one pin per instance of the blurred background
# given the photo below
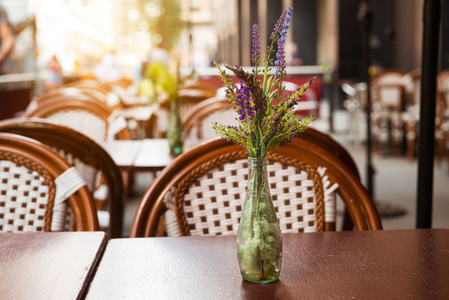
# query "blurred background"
(196, 32)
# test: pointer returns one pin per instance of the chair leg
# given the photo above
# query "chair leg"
(410, 135)
(347, 224)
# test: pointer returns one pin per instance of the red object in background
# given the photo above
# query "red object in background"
(16, 91)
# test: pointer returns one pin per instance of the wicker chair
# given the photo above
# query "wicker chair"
(88, 116)
(188, 98)
(72, 91)
(199, 85)
(198, 129)
(412, 82)
(387, 94)
(112, 93)
(412, 87)
(88, 157)
(197, 123)
(205, 188)
(442, 113)
(36, 185)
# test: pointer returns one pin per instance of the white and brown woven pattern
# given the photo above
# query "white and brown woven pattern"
(293, 197)
(89, 173)
(26, 197)
(209, 200)
(213, 204)
(87, 123)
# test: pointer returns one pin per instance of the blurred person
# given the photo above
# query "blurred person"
(7, 38)
(109, 69)
(52, 75)
(294, 57)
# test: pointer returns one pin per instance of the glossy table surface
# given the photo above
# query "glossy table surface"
(48, 265)
(139, 155)
(399, 264)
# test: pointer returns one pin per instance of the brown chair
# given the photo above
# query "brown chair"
(212, 176)
(199, 85)
(84, 114)
(115, 95)
(198, 129)
(442, 113)
(387, 94)
(197, 124)
(412, 82)
(412, 87)
(72, 91)
(188, 98)
(123, 82)
(89, 83)
(90, 117)
(87, 156)
(327, 143)
(36, 185)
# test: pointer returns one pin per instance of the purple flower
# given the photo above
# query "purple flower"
(277, 27)
(265, 114)
(280, 54)
(256, 45)
(243, 104)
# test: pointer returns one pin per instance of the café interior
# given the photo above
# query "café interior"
(139, 138)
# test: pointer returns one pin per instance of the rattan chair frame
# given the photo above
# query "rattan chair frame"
(73, 91)
(50, 106)
(38, 157)
(196, 116)
(386, 112)
(199, 85)
(360, 206)
(377, 83)
(327, 143)
(83, 148)
(89, 83)
(188, 98)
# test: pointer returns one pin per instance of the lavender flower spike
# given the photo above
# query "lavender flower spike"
(277, 27)
(280, 55)
(256, 45)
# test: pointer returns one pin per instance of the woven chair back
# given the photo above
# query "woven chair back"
(197, 123)
(90, 117)
(198, 129)
(89, 158)
(39, 189)
(106, 92)
(387, 89)
(303, 178)
(188, 98)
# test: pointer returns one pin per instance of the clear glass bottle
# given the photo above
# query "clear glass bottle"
(175, 132)
(259, 237)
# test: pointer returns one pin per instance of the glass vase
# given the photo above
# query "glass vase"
(259, 238)
(175, 131)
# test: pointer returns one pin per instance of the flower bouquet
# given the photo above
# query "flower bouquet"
(266, 119)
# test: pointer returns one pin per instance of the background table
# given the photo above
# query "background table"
(331, 265)
(44, 265)
(139, 155)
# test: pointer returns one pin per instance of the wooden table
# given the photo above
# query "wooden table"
(402, 264)
(139, 155)
(47, 265)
